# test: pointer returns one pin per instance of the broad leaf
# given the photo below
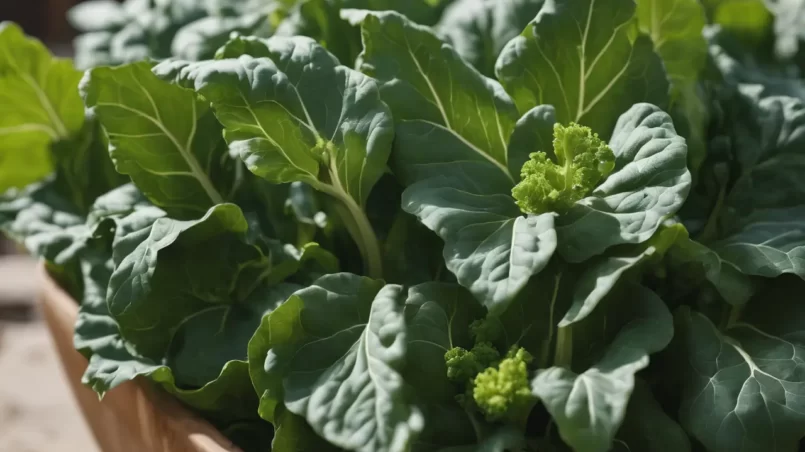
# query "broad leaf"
(39, 106)
(650, 182)
(303, 112)
(743, 384)
(581, 57)
(675, 28)
(479, 29)
(162, 136)
(599, 276)
(200, 40)
(462, 192)
(337, 352)
(429, 87)
(589, 407)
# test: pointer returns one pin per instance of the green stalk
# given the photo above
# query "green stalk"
(358, 225)
(563, 356)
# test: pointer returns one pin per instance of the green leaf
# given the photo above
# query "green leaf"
(789, 21)
(162, 136)
(648, 427)
(299, 116)
(589, 408)
(463, 192)
(582, 57)
(339, 347)
(743, 384)
(479, 29)
(200, 40)
(430, 88)
(39, 106)
(44, 222)
(600, 276)
(649, 184)
(675, 28)
(504, 439)
(489, 246)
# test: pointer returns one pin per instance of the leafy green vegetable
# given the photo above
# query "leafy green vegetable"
(582, 57)
(324, 225)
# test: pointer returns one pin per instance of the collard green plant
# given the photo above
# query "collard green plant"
(520, 225)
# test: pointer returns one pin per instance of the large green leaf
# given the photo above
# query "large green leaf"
(589, 407)
(430, 88)
(675, 28)
(582, 57)
(163, 136)
(743, 387)
(754, 225)
(462, 192)
(295, 114)
(336, 356)
(200, 40)
(39, 105)
(650, 182)
(479, 29)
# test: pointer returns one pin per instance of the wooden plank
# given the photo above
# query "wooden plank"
(133, 417)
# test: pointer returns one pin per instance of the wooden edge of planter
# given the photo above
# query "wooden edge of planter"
(133, 417)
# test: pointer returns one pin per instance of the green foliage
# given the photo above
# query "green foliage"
(582, 161)
(324, 225)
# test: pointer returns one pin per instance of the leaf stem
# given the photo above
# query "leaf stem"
(359, 228)
(563, 355)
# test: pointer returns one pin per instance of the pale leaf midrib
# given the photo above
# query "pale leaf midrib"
(189, 158)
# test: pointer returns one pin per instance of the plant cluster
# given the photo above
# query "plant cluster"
(379, 225)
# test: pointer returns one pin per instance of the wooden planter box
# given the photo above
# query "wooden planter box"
(133, 417)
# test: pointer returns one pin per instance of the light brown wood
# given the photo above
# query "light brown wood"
(132, 417)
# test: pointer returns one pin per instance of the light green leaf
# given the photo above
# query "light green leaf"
(200, 40)
(676, 29)
(582, 57)
(479, 29)
(163, 136)
(589, 408)
(39, 106)
(337, 360)
(428, 86)
(743, 387)
(649, 184)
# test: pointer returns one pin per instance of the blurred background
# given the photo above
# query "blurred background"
(37, 409)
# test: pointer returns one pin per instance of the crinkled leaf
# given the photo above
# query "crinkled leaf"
(97, 15)
(428, 86)
(479, 29)
(162, 136)
(589, 407)
(649, 184)
(39, 105)
(581, 57)
(743, 385)
(289, 115)
(337, 352)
